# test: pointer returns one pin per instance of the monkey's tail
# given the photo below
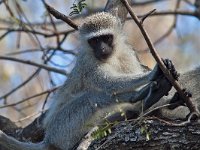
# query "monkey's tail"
(13, 144)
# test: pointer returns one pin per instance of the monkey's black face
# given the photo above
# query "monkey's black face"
(102, 46)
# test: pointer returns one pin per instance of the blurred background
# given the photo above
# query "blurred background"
(28, 33)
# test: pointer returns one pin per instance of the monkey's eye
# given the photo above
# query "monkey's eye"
(93, 41)
(108, 39)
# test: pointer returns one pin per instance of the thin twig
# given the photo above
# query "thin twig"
(8, 8)
(28, 98)
(72, 52)
(42, 66)
(20, 85)
(54, 26)
(188, 2)
(171, 12)
(32, 36)
(45, 102)
(30, 116)
(46, 35)
(147, 15)
(134, 3)
(176, 12)
(166, 34)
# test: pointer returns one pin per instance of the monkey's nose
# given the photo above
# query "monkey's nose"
(103, 49)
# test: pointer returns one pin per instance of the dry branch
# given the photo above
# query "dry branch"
(177, 12)
(176, 85)
(61, 16)
(167, 33)
(28, 98)
(48, 68)
(9, 30)
(20, 85)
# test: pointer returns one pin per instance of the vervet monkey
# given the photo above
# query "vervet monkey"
(106, 65)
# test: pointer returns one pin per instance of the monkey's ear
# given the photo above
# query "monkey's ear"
(116, 8)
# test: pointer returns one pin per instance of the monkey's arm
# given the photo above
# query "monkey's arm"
(162, 86)
(155, 90)
(124, 83)
(151, 93)
(135, 82)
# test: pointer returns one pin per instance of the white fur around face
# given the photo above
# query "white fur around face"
(123, 61)
(99, 33)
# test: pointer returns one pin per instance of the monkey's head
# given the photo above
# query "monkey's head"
(99, 33)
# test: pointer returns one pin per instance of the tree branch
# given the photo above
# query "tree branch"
(42, 66)
(187, 100)
(34, 32)
(134, 3)
(167, 33)
(177, 12)
(28, 98)
(20, 85)
(61, 16)
(150, 134)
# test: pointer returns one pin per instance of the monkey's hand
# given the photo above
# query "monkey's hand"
(177, 100)
(152, 92)
(160, 85)
(158, 73)
(157, 90)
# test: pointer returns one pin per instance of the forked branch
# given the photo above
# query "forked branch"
(176, 85)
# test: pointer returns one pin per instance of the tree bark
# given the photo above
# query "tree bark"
(126, 135)
(162, 136)
(31, 133)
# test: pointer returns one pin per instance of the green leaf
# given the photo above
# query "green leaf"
(142, 130)
(103, 130)
(77, 8)
(147, 136)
